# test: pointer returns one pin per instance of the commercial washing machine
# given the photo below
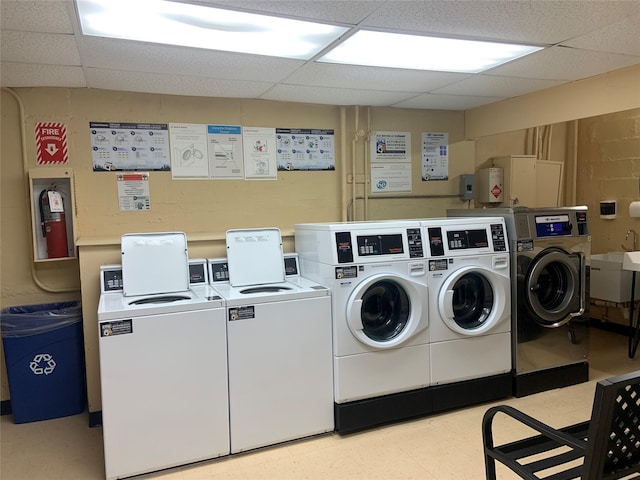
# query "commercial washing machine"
(469, 310)
(279, 343)
(377, 273)
(550, 250)
(163, 359)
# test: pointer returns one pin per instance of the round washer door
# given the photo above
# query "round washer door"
(385, 310)
(473, 300)
(552, 287)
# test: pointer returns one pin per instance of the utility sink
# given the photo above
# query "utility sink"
(631, 261)
(611, 281)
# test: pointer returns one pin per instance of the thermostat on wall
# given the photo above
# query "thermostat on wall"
(608, 209)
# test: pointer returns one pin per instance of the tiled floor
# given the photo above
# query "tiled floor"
(441, 447)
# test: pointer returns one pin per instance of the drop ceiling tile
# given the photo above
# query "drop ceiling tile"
(620, 37)
(112, 54)
(371, 78)
(446, 102)
(494, 86)
(36, 16)
(564, 63)
(333, 96)
(34, 75)
(324, 10)
(46, 48)
(173, 84)
(538, 21)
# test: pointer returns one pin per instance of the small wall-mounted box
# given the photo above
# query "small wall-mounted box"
(608, 209)
(467, 186)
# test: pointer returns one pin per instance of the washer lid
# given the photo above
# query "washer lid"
(255, 257)
(154, 263)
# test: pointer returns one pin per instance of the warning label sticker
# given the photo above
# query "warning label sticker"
(242, 313)
(346, 272)
(116, 327)
(439, 264)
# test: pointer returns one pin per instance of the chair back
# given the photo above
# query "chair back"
(613, 449)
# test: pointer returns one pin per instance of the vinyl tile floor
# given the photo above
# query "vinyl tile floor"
(441, 447)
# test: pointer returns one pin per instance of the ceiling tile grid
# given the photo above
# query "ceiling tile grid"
(42, 45)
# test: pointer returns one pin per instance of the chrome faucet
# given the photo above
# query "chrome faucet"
(631, 231)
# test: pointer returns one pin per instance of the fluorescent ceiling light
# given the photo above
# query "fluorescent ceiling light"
(382, 49)
(189, 25)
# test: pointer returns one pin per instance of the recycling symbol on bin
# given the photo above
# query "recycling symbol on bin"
(42, 363)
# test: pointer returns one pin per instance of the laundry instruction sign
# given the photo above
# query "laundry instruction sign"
(51, 141)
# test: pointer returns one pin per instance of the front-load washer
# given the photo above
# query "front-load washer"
(469, 310)
(163, 371)
(377, 274)
(550, 248)
(279, 343)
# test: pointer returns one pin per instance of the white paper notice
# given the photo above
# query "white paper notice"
(391, 147)
(225, 151)
(435, 156)
(390, 177)
(259, 145)
(133, 192)
(189, 157)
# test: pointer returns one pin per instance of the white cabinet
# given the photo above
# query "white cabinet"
(530, 182)
(519, 173)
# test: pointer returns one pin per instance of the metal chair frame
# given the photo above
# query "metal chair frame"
(607, 446)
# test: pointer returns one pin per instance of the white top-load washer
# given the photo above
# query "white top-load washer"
(378, 277)
(279, 343)
(163, 359)
(469, 298)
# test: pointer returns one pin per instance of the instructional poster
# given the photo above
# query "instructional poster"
(305, 149)
(226, 159)
(390, 162)
(189, 157)
(391, 147)
(129, 146)
(133, 192)
(435, 156)
(390, 177)
(259, 153)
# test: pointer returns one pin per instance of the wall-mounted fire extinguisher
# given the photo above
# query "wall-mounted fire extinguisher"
(53, 223)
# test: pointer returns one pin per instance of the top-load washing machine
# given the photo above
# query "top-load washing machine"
(469, 310)
(163, 359)
(279, 343)
(377, 273)
(550, 250)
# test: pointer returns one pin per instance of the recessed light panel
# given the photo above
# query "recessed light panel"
(394, 50)
(189, 25)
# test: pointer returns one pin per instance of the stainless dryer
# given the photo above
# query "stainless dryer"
(550, 250)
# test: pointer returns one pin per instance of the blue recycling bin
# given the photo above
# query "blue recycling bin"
(44, 353)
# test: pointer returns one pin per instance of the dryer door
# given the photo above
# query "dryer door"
(554, 287)
(386, 310)
(473, 300)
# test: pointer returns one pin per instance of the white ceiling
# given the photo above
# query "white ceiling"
(42, 46)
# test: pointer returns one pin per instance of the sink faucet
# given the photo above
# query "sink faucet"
(635, 240)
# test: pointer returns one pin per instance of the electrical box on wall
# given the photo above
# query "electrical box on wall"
(52, 202)
(608, 209)
(467, 186)
(490, 185)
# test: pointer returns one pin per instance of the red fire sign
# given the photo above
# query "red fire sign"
(496, 191)
(51, 140)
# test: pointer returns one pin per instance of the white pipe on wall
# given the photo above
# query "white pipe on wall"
(25, 169)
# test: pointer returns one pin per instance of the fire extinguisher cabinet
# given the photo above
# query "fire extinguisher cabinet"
(52, 202)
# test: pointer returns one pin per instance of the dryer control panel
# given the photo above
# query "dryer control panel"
(379, 245)
(455, 239)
